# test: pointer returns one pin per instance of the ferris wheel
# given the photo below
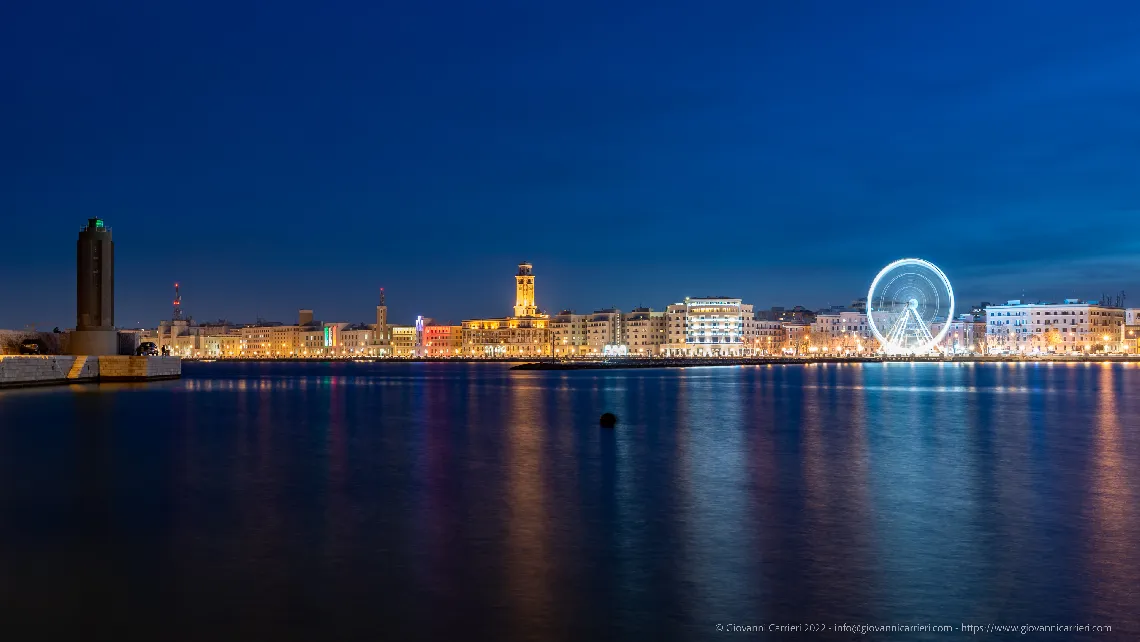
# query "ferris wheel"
(907, 299)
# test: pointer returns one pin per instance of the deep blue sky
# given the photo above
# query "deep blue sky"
(287, 154)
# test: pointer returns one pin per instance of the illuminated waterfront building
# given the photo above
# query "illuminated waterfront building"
(1066, 327)
(402, 340)
(826, 329)
(524, 291)
(357, 340)
(966, 334)
(765, 337)
(509, 337)
(674, 330)
(286, 340)
(715, 326)
(568, 333)
(854, 322)
(797, 338)
(523, 335)
(221, 346)
(605, 333)
(644, 331)
(268, 340)
(838, 332)
(443, 340)
(710, 326)
(1132, 330)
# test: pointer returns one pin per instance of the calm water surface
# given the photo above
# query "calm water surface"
(387, 501)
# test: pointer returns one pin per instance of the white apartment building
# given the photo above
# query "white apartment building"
(644, 331)
(569, 333)
(841, 332)
(709, 326)
(1071, 326)
(855, 322)
(604, 328)
(827, 329)
(357, 342)
(717, 326)
(674, 329)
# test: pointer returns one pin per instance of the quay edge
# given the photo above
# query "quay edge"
(17, 371)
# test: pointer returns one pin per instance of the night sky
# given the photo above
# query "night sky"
(287, 154)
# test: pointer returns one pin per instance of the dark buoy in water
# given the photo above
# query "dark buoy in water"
(608, 420)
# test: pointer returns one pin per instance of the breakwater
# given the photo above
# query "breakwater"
(46, 370)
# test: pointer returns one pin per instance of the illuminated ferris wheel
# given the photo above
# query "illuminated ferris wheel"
(906, 300)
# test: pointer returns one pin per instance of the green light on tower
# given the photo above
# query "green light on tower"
(99, 223)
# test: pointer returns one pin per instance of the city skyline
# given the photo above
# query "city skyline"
(636, 154)
(396, 313)
(287, 312)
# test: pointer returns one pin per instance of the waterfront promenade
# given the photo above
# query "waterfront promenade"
(587, 363)
(745, 361)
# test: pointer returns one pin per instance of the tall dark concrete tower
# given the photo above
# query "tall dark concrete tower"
(95, 278)
(94, 292)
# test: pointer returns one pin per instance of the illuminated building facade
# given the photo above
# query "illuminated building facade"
(674, 330)
(221, 346)
(443, 340)
(568, 333)
(256, 341)
(524, 291)
(965, 335)
(524, 335)
(839, 332)
(604, 329)
(854, 322)
(644, 332)
(826, 329)
(714, 326)
(764, 337)
(709, 327)
(509, 337)
(402, 340)
(357, 341)
(1066, 327)
(797, 338)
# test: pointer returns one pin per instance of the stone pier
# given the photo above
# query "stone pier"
(36, 370)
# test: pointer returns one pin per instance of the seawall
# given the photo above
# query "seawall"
(46, 370)
(616, 364)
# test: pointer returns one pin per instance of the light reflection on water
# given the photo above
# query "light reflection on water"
(444, 499)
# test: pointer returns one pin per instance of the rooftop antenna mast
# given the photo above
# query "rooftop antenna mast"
(177, 314)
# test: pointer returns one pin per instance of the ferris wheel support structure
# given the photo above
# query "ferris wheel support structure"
(906, 298)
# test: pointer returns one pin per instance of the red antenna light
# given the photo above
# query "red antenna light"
(177, 304)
